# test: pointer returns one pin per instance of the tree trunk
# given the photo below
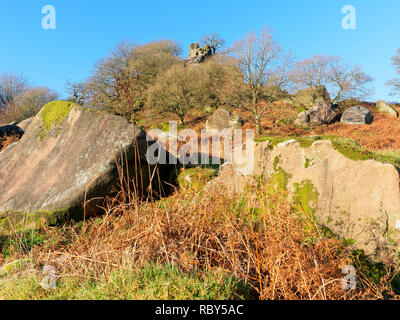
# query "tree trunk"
(257, 119)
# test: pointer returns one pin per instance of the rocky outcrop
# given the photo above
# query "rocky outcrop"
(69, 155)
(382, 106)
(222, 119)
(322, 112)
(358, 200)
(357, 115)
(306, 98)
(199, 54)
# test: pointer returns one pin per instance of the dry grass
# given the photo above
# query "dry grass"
(382, 134)
(261, 240)
(6, 141)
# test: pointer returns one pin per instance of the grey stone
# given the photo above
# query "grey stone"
(357, 115)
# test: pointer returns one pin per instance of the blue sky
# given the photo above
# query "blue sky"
(87, 30)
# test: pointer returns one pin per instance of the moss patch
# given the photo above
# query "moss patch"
(279, 178)
(54, 114)
(21, 221)
(305, 201)
(196, 178)
(308, 163)
(347, 147)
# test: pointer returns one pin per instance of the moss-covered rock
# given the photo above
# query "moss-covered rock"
(53, 114)
(308, 97)
(349, 148)
(334, 182)
(196, 178)
(382, 106)
(80, 158)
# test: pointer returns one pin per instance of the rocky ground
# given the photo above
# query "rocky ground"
(324, 202)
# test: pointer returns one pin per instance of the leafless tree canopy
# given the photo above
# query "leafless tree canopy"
(29, 102)
(214, 41)
(18, 100)
(341, 80)
(11, 85)
(259, 63)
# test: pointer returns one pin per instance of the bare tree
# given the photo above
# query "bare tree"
(214, 41)
(28, 103)
(11, 85)
(258, 57)
(348, 82)
(394, 84)
(341, 80)
(313, 72)
(79, 92)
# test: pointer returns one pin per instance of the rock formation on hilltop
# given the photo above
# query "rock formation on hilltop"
(199, 54)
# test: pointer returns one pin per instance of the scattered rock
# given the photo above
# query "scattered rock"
(357, 115)
(322, 112)
(222, 119)
(307, 98)
(67, 155)
(302, 120)
(198, 54)
(357, 200)
(384, 107)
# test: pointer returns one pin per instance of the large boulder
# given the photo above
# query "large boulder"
(382, 106)
(357, 115)
(355, 199)
(222, 119)
(69, 155)
(322, 112)
(306, 98)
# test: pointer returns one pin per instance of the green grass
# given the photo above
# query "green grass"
(23, 242)
(152, 282)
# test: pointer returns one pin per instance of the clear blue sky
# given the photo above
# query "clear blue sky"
(87, 30)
